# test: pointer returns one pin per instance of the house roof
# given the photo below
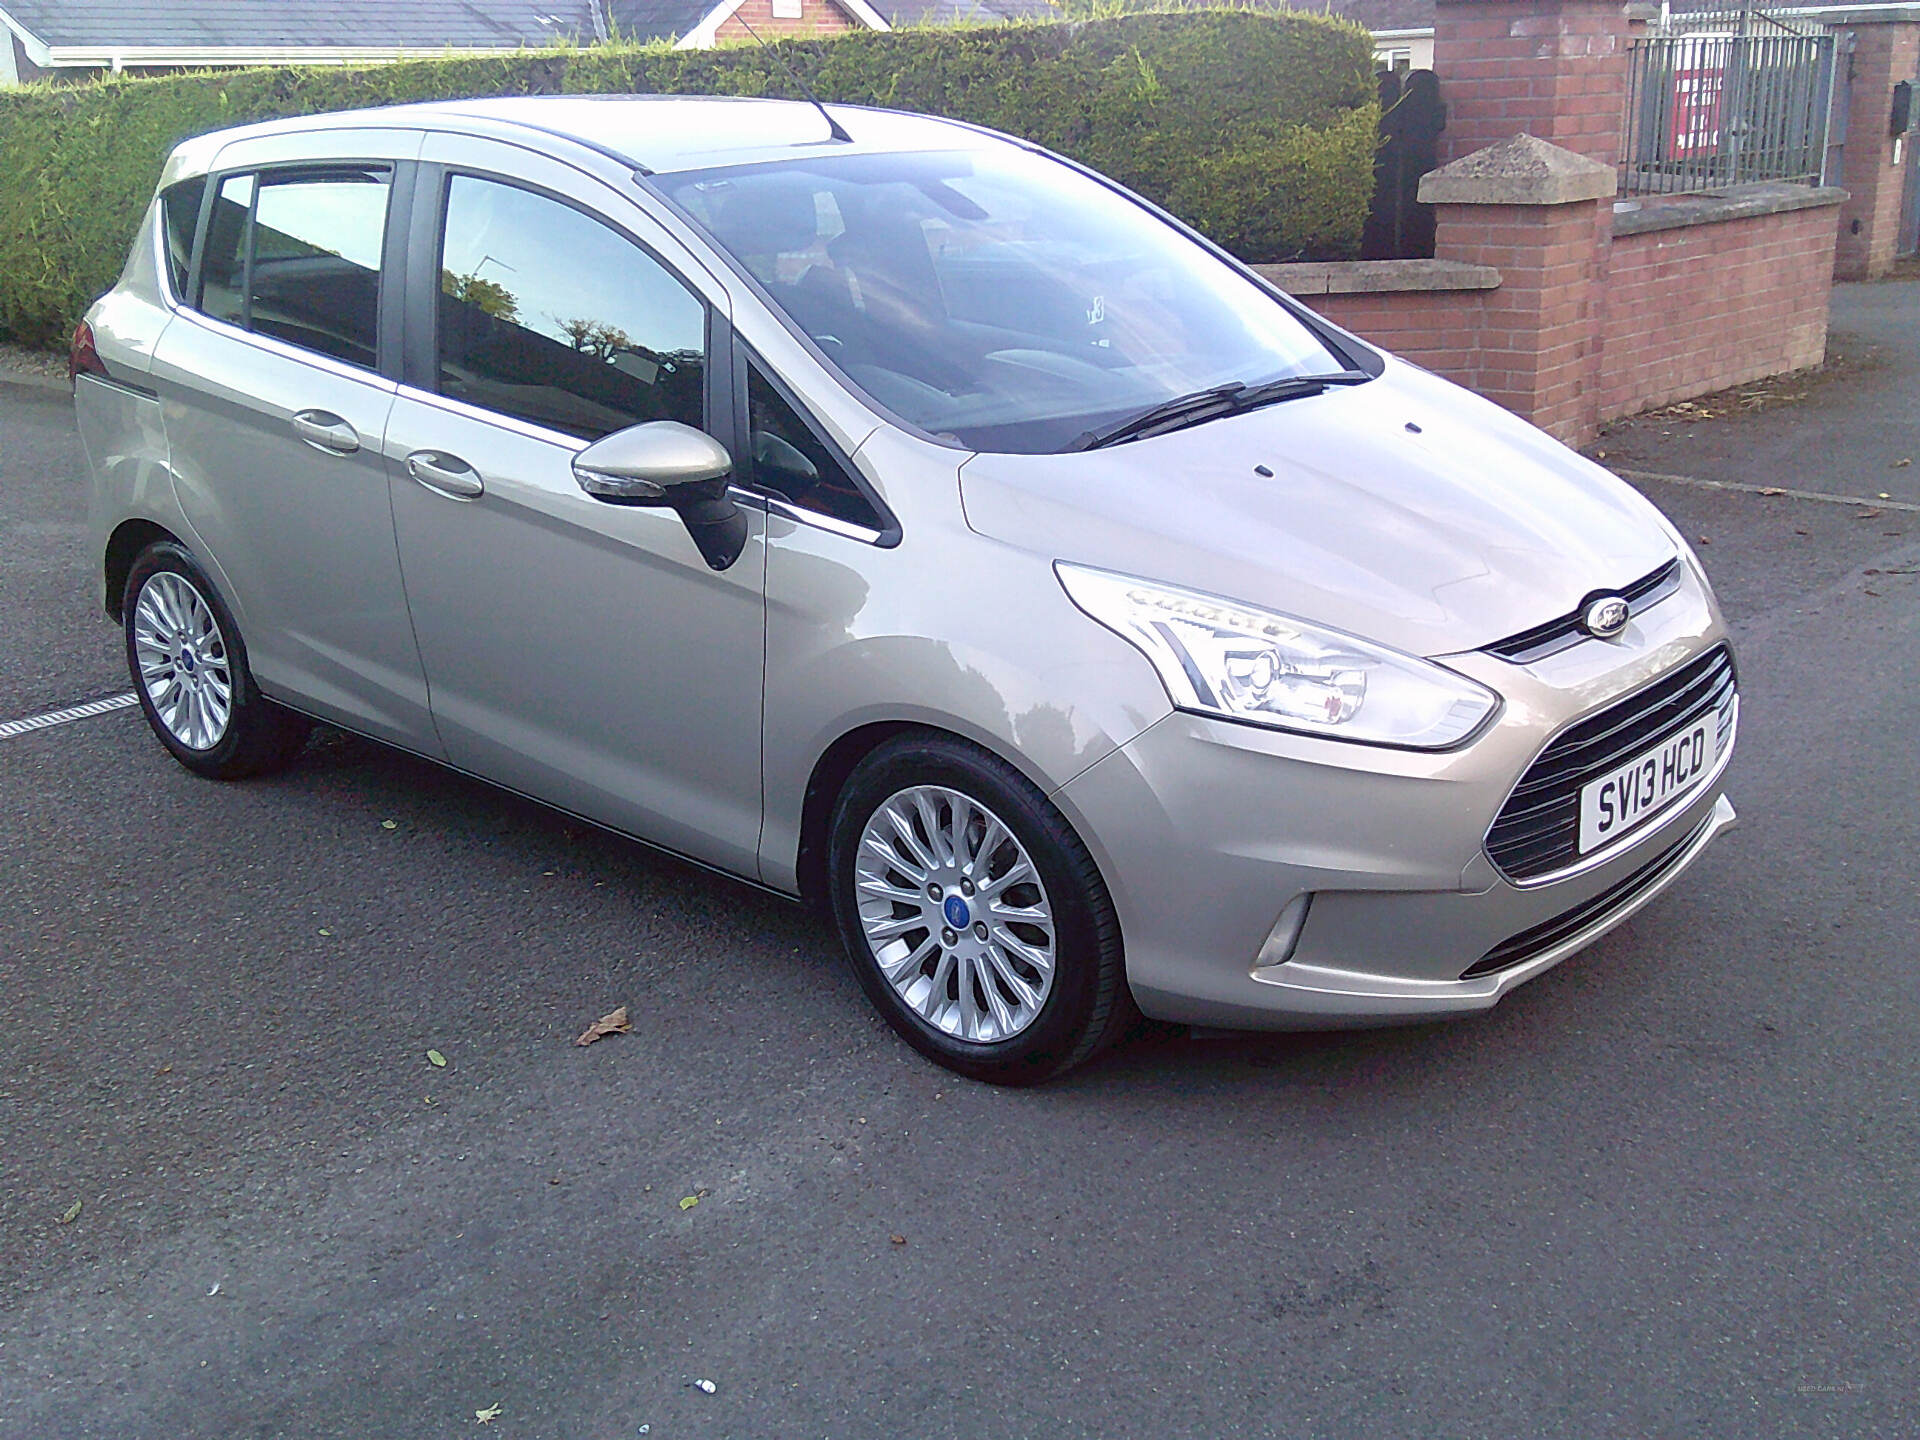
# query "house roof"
(652, 19)
(251, 24)
(1376, 15)
(946, 12)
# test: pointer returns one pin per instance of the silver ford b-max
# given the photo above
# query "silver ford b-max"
(900, 517)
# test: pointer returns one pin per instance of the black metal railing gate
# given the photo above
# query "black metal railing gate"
(1723, 99)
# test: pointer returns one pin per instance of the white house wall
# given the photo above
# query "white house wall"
(1403, 49)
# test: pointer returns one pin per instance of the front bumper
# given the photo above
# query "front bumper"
(1207, 830)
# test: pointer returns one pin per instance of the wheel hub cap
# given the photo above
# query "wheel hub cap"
(180, 659)
(955, 915)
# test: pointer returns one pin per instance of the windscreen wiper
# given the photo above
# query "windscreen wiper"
(1229, 399)
(1293, 387)
(1168, 414)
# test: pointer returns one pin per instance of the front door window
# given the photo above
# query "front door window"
(551, 316)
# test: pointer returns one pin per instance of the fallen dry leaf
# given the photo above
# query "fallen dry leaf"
(73, 1213)
(488, 1415)
(1903, 463)
(1873, 514)
(614, 1024)
(897, 1239)
(436, 1059)
(1771, 490)
(687, 1202)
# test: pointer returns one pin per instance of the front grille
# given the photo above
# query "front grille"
(1555, 635)
(1518, 949)
(1538, 829)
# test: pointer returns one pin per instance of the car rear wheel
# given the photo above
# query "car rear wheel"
(189, 670)
(975, 919)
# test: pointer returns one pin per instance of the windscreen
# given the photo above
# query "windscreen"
(995, 297)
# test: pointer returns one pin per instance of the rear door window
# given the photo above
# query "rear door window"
(297, 256)
(315, 278)
(551, 316)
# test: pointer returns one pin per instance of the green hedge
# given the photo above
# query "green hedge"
(1259, 128)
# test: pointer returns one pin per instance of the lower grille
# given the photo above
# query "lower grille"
(1519, 949)
(1538, 830)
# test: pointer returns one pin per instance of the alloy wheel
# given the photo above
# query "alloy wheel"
(955, 914)
(182, 660)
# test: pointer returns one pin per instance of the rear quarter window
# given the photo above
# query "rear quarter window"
(179, 221)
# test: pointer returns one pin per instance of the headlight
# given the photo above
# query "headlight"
(1222, 658)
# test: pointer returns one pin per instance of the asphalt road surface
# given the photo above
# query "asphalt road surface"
(1666, 1190)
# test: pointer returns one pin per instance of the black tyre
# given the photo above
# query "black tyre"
(974, 917)
(189, 668)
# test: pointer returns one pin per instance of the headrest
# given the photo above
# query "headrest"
(768, 217)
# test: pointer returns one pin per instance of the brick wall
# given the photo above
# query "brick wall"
(1870, 221)
(1439, 329)
(817, 17)
(1538, 341)
(1704, 307)
(1588, 324)
(1556, 69)
(1680, 311)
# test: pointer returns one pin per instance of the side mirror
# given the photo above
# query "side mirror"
(663, 462)
(650, 464)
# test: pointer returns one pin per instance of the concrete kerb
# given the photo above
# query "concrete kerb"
(28, 380)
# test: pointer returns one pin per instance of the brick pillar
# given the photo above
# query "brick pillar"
(1555, 69)
(1539, 214)
(1883, 52)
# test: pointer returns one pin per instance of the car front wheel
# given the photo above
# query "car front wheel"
(975, 918)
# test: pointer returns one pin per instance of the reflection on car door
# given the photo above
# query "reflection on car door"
(276, 415)
(576, 650)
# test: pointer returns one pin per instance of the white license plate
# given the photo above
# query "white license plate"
(1647, 784)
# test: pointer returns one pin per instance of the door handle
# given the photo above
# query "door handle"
(447, 474)
(326, 431)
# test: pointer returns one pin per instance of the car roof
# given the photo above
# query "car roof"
(660, 133)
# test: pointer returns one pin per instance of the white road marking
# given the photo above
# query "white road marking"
(11, 728)
(1779, 491)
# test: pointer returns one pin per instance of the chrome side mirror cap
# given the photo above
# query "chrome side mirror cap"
(659, 462)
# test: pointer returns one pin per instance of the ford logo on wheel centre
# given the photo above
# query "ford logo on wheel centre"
(956, 912)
